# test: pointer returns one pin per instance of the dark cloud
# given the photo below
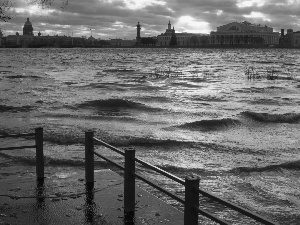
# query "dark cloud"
(117, 18)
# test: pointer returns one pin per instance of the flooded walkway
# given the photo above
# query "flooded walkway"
(23, 201)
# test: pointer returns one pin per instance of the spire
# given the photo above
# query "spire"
(138, 34)
(169, 25)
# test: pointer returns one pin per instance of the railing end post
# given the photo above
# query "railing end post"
(39, 142)
(191, 200)
(89, 158)
(129, 184)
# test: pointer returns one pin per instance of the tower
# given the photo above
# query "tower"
(28, 29)
(169, 25)
(173, 41)
(169, 30)
(138, 34)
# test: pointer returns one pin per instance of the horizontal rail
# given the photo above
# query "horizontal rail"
(109, 160)
(109, 146)
(160, 188)
(17, 135)
(19, 147)
(212, 217)
(169, 175)
(238, 208)
(181, 181)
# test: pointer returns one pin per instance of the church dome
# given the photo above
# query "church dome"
(28, 22)
(28, 29)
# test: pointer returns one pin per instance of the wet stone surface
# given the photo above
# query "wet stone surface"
(71, 203)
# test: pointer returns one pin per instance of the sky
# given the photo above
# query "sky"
(107, 19)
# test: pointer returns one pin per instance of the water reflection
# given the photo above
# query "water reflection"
(129, 218)
(40, 193)
(90, 206)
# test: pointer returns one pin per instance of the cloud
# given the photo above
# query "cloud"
(250, 3)
(254, 15)
(118, 18)
(190, 25)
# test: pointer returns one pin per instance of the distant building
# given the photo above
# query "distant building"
(149, 41)
(118, 42)
(128, 43)
(18, 40)
(296, 39)
(115, 42)
(27, 28)
(290, 39)
(171, 38)
(244, 33)
(29, 40)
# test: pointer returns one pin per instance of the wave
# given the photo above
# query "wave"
(294, 165)
(18, 76)
(5, 108)
(273, 118)
(64, 137)
(50, 161)
(181, 170)
(215, 124)
(119, 70)
(53, 115)
(258, 89)
(265, 62)
(264, 101)
(210, 99)
(116, 104)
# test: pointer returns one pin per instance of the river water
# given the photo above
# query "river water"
(241, 136)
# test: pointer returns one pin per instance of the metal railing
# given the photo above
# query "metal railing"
(191, 183)
(38, 146)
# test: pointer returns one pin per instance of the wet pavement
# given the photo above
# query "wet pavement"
(67, 201)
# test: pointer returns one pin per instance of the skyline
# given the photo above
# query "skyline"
(118, 18)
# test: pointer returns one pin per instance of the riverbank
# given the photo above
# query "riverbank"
(210, 46)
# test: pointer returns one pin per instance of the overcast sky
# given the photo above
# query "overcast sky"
(118, 18)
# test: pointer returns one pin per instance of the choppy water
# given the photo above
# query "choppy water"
(240, 136)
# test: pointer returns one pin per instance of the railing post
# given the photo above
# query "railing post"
(129, 184)
(89, 158)
(191, 200)
(39, 139)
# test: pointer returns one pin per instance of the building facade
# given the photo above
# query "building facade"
(244, 33)
(290, 39)
(182, 39)
(118, 42)
(296, 39)
(29, 40)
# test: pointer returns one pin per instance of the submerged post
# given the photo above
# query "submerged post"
(39, 139)
(129, 184)
(191, 200)
(89, 158)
